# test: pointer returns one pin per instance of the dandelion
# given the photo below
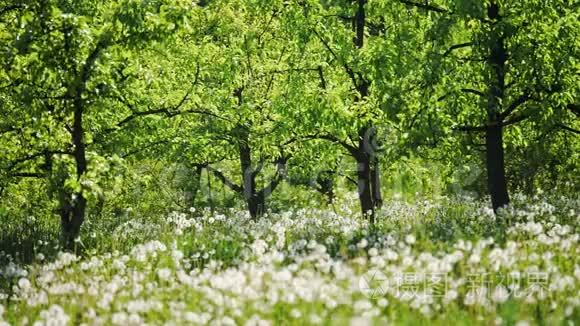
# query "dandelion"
(383, 302)
(522, 323)
(315, 319)
(295, 313)
(474, 259)
(164, 274)
(500, 294)
(40, 257)
(119, 318)
(54, 315)
(361, 321)
(259, 247)
(568, 311)
(362, 244)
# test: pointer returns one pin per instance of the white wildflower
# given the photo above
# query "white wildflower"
(362, 244)
(500, 294)
(24, 284)
(164, 274)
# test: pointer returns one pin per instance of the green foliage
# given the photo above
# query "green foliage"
(163, 98)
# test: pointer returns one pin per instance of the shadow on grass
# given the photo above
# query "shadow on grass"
(22, 244)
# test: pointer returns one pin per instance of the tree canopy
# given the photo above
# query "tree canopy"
(264, 94)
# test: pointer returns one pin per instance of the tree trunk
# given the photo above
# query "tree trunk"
(364, 176)
(195, 184)
(72, 223)
(364, 189)
(325, 182)
(209, 193)
(367, 167)
(496, 178)
(496, 175)
(254, 200)
(254, 203)
(368, 172)
(376, 183)
(73, 209)
(79, 201)
(65, 212)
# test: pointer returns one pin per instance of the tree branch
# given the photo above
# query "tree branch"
(346, 67)
(10, 8)
(515, 104)
(285, 71)
(350, 148)
(321, 76)
(27, 175)
(259, 167)
(88, 66)
(221, 177)
(280, 175)
(31, 157)
(514, 120)
(467, 128)
(456, 47)
(506, 123)
(353, 181)
(575, 108)
(564, 127)
(425, 6)
(473, 91)
(167, 112)
(7, 130)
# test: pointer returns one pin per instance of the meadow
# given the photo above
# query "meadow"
(433, 261)
(289, 162)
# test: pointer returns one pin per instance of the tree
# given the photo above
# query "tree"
(358, 47)
(510, 61)
(65, 62)
(237, 52)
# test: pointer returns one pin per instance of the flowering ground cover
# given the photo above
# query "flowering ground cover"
(278, 162)
(436, 262)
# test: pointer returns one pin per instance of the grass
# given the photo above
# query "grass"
(436, 262)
